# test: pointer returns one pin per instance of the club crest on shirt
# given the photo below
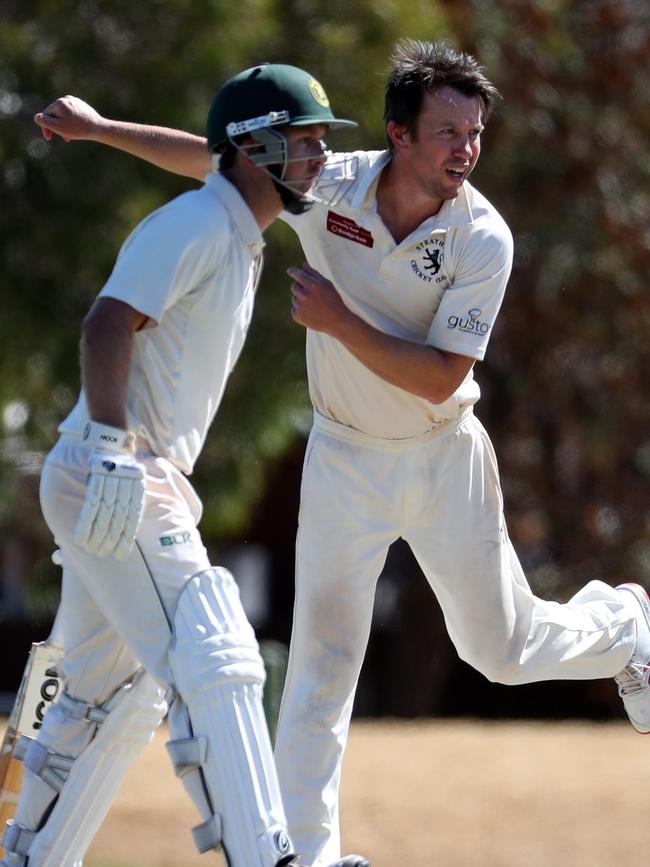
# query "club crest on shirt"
(427, 263)
(346, 228)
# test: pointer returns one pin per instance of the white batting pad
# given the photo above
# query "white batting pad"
(219, 674)
(119, 730)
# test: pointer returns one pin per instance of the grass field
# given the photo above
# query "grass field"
(437, 794)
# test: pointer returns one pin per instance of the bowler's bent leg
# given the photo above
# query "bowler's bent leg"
(495, 621)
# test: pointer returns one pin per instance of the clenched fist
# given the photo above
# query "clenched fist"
(69, 117)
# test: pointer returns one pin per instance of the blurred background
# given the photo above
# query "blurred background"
(565, 160)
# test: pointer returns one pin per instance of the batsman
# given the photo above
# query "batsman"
(148, 623)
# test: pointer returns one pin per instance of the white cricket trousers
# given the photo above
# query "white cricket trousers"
(116, 614)
(165, 608)
(440, 493)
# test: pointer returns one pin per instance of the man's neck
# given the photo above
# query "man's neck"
(260, 196)
(401, 203)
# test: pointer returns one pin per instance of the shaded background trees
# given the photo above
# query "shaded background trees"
(564, 382)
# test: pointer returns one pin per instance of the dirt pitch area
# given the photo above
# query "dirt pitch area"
(437, 794)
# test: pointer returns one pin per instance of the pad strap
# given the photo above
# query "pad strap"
(81, 710)
(187, 754)
(51, 767)
(208, 835)
(17, 839)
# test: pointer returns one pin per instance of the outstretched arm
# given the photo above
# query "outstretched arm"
(173, 150)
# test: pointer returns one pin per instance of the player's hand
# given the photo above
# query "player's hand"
(316, 304)
(70, 118)
(112, 510)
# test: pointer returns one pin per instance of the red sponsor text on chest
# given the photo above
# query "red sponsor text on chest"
(338, 225)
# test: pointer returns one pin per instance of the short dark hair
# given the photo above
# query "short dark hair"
(420, 67)
(228, 153)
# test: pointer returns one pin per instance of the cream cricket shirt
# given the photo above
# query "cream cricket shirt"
(443, 286)
(192, 267)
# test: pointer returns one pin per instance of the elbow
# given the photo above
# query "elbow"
(88, 327)
(92, 328)
(446, 378)
(438, 394)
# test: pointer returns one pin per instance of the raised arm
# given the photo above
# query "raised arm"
(173, 150)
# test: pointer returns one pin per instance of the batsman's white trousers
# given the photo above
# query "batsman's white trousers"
(165, 608)
(440, 493)
(116, 614)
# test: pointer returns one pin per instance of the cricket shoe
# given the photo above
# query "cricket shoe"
(633, 681)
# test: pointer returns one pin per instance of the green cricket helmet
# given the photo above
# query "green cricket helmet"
(257, 104)
(268, 95)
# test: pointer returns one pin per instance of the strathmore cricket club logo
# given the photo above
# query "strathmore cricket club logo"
(345, 228)
(470, 323)
(428, 262)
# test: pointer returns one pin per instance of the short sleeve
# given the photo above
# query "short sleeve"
(481, 261)
(166, 256)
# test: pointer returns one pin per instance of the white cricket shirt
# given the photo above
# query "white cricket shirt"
(443, 285)
(192, 267)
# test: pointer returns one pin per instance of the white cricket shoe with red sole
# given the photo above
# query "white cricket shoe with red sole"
(633, 681)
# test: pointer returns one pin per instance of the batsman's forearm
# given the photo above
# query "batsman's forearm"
(173, 150)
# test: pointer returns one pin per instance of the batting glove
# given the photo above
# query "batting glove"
(114, 502)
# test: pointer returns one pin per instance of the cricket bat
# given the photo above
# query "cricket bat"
(40, 684)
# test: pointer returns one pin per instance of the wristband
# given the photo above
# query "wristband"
(107, 438)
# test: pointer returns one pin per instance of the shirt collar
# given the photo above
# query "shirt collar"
(365, 194)
(239, 211)
(453, 213)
